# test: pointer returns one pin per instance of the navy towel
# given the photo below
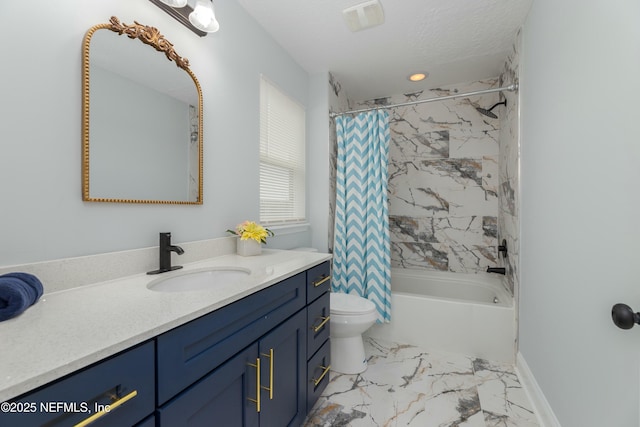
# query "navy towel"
(18, 291)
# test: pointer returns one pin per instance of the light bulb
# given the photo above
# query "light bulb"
(416, 77)
(175, 3)
(203, 17)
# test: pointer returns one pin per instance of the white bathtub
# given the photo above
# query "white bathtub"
(471, 314)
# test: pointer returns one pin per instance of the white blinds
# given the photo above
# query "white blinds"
(282, 169)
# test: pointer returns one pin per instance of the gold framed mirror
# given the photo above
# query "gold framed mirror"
(141, 118)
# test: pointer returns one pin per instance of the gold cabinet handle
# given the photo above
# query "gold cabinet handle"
(107, 409)
(325, 369)
(257, 399)
(320, 282)
(321, 325)
(270, 388)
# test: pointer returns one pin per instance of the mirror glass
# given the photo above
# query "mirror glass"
(142, 124)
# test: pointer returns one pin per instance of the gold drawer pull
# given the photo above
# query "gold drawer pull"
(321, 325)
(107, 409)
(257, 399)
(324, 372)
(320, 282)
(270, 388)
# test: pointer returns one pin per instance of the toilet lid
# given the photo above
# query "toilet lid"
(350, 304)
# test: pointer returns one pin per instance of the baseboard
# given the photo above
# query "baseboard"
(542, 409)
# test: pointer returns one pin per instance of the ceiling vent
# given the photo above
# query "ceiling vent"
(364, 15)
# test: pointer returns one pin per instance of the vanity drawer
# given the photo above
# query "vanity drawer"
(317, 323)
(318, 280)
(125, 382)
(188, 352)
(318, 369)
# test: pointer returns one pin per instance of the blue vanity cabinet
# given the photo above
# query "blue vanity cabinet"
(262, 334)
(221, 398)
(318, 311)
(231, 395)
(122, 387)
(149, 422)
(318, 369)
(318, 280)
(283, 374)
(318, 331)
(212, 371)
(318, 319)
(189, 352)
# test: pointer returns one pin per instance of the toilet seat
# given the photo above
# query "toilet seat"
(346, 304)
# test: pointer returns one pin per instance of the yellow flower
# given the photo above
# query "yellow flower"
(251, 230)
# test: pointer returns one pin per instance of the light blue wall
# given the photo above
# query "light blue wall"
(318, 160)
(42, 215)
(579, 91)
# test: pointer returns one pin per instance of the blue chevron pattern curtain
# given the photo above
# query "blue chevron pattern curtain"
(361, 252)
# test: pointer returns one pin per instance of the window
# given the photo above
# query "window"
(282, 171)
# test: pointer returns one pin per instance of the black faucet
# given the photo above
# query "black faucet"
(499, 270)
(165, 254)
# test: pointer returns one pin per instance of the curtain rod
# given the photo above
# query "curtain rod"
(510, 88)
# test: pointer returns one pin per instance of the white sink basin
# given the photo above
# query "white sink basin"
(199, 280)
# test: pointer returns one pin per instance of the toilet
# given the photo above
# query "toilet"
(351, 315)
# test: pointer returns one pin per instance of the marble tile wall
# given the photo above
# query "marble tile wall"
(454, 176)
(443, 180)
(194, 158)
(509, 174)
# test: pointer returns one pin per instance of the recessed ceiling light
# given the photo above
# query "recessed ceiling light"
(416, 77)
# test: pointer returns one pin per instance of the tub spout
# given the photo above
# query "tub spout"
(499, 270)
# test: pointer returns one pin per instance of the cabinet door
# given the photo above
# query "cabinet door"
(226, 397)
(283, 373)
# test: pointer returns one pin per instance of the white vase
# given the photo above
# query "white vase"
(248, 247)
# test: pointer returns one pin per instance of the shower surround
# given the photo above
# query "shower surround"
(443, 180)
(509, 189)
(454, 177)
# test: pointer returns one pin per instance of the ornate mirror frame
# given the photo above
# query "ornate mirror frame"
(150, 36)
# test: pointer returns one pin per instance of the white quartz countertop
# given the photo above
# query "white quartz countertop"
(71, 329)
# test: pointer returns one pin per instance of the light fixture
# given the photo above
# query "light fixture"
(417, 77)
(197, 15)
(203, 17)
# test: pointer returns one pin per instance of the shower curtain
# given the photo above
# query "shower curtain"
(361, 251)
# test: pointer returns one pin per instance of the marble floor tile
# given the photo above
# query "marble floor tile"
(502, 398)
(406, 386)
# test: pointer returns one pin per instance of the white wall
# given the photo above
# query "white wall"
(580, 84)
(318, 160)
(42, 216)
